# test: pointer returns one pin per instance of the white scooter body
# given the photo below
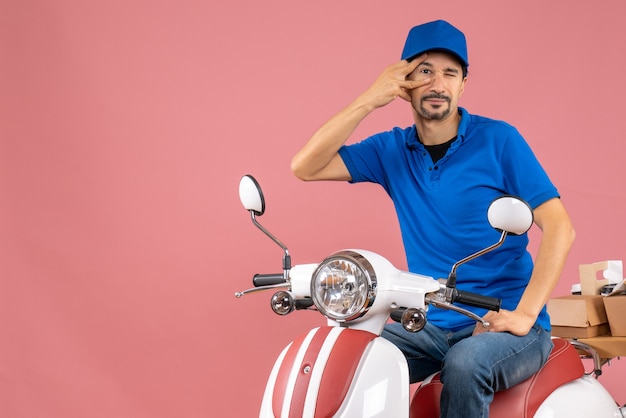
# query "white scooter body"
(345, 369)
(372, 371)
(584, 397)
(378, 387)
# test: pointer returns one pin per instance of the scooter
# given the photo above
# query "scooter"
(345, 369)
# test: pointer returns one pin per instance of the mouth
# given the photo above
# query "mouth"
(436, 100)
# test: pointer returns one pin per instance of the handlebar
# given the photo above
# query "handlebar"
(476, 300)
(259, 280)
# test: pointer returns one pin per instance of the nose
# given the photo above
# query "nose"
(437, 83)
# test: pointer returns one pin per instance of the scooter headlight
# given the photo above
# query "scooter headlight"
(344, 286)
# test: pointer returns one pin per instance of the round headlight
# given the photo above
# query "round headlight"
(343, 286)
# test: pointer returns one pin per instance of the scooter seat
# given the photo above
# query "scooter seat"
(520, 401)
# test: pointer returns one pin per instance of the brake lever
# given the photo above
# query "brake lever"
(260, 289)
(439, 303)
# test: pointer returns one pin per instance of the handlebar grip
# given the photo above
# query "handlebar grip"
(478, 301)
(259, 280)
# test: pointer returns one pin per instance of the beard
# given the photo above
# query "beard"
(437, 114)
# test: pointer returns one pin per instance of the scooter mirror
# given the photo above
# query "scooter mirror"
(510, 214)
(251, 195)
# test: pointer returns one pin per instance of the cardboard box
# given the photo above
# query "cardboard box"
(580, 332)
(577, 310)
(589, 282)
(578, 316)
(615, 307)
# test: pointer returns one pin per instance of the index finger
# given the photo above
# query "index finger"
(417, 60)
(411, 66)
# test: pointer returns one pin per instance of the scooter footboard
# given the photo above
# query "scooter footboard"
(333, 371)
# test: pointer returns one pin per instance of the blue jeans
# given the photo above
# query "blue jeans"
(472, 369)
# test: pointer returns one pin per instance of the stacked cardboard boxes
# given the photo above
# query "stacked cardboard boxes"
(578, 316)
(590, 314)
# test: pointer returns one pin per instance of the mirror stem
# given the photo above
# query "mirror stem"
(451, 282)
(286, 256)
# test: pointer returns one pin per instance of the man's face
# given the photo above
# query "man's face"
(439, 98)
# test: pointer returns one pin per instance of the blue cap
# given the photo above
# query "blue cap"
(438, 35)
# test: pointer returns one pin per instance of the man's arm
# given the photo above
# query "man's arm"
(318, 159)
(557, 238)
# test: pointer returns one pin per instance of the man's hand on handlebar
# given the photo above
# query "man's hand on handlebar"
(515, 322)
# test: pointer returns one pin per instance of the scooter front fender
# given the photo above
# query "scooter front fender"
(340, 372)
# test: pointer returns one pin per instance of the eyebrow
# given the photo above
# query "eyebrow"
(448, 69)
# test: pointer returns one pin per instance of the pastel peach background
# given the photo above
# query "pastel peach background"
(125, 126)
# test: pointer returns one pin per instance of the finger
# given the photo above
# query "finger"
(408, 67)
(416, 61)
(413, 84)
(479, 329)
(404, 67)
(405, 96)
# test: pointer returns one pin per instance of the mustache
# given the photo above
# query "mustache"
(436, 96)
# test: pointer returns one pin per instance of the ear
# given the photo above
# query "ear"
(462, 89)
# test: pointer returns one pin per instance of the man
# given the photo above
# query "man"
(441, 174)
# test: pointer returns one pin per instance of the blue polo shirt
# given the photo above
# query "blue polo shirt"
(442, 206)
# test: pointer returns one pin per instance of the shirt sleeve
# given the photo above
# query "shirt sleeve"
(523, 174)
(364, 160)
